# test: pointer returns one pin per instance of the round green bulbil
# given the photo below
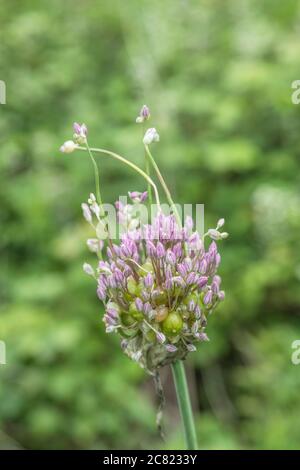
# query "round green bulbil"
(173, 324)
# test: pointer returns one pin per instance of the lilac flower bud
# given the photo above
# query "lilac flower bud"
(135, 196)
(202, 281)
(147, 308)
(191, 305)
(94, 245)
(139, 304)
(101, 292)
(171, 348)
(144, 114)
(88, 269)
(203, 337)
(177, 250)
(119, 276)
(86, 213)
(191, 347)
(151, 250)
(208, 297)
(160, 251)
(148, 280)
(191, 279)
(80, 130)
(181, 268)
(218, 259)
(197, 312)
(203, 266)
(224, 235)
(68, 147)
(150, 136)
(160, 337)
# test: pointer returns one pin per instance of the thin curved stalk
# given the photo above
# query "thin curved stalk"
(130, 164)
(184, 404)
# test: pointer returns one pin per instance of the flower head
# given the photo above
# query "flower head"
(159, 287)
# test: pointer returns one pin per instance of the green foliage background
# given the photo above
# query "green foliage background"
(217, 76)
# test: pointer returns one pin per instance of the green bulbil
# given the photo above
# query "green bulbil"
(173, 324)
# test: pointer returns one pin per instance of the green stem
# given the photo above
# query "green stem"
(184, 404)
(164, 184)
(147, 167)
(128, 163)
(97, 177)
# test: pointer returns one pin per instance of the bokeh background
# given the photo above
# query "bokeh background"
(217, 76)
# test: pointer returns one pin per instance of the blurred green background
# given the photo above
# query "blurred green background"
(217, 76)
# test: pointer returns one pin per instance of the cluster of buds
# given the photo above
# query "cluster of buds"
(79, 138)
(159, 285)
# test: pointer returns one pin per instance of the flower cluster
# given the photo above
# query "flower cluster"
(158, 285)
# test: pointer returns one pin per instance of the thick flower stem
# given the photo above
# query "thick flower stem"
(184, 404)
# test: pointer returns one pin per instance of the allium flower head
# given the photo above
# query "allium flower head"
(159, 287)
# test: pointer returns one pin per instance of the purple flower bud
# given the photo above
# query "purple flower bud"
(101, 292)
(202, 281)
(151, 250)
(160, 251)
(197, 312)
(181, 268)
(148, 280)
(208, 297)
(203, 266)
(119, 276)
(144, 114)
(160, 337)
(138, 197)
(171, 348)
(139, 304)
(80, 130)
(191, 279)
(147, 308)
(203, 337)
(177, 250)
(191, 305)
